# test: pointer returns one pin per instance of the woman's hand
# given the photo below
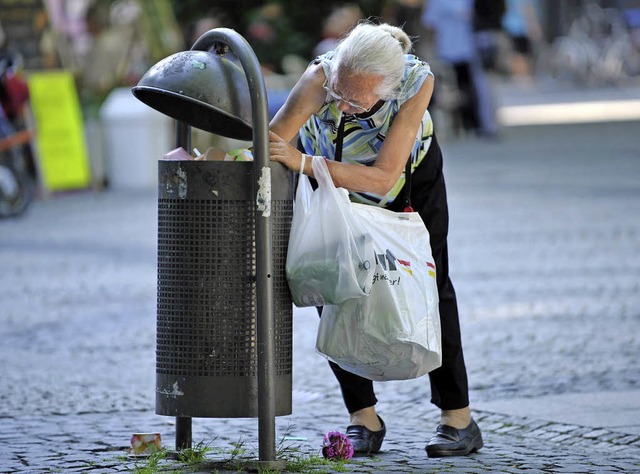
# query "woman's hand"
(282, 152)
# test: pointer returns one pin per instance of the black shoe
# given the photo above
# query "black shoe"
(364, 440)
(449, 441)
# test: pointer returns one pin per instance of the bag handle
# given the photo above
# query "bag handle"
(321, 172)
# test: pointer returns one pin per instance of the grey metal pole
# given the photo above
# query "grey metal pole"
(183, 136)
(264, 284)
(184, 437)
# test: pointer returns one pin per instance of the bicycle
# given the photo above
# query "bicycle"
(17, 184)
(597, 49)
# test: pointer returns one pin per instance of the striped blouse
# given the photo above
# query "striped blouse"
(365, 133)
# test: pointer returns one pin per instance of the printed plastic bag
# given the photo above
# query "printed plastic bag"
(330, 254)
(394, 333)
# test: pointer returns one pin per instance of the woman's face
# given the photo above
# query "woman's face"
(354, 94)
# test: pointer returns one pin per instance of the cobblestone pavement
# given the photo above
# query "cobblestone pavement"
(545, 256)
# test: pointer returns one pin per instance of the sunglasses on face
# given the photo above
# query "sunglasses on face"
(335, 96)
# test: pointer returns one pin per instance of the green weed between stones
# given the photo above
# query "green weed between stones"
(239, 459)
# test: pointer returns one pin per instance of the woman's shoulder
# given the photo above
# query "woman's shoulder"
(415, 66)
(312, 78)
(415, 72)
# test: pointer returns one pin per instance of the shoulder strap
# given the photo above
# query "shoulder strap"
(407, 187)
(339, 139)
(407, 171)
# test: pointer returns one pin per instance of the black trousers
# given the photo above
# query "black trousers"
(469, 109)
(449, 386)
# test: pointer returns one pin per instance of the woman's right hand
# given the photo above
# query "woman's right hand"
(283, 152)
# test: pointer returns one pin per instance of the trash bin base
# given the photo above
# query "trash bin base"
(228, 397)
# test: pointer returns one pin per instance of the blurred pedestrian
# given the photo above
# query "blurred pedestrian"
(406, 13)
(523, 29)
(487, 26)
(363, 107)
(451, 25)
(335, 27)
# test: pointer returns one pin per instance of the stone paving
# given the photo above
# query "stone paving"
(545, 257)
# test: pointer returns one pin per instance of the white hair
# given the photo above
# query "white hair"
(379, 50)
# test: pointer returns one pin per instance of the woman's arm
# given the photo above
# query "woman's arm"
(306, 98)
(378, 178)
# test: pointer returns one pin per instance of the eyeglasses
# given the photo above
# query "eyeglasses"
(335, 96)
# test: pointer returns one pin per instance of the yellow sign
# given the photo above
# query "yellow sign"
(62, 151)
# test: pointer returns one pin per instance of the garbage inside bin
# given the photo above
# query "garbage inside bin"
(177, 154)
(217, 154)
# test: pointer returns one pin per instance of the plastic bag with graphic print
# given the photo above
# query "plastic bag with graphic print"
(330, 254)
(394, 333)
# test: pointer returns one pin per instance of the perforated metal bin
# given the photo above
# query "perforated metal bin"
(206, 348)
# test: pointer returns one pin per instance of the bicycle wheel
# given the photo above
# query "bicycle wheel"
(16, 187)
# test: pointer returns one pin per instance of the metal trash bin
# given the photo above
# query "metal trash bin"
(206, 351)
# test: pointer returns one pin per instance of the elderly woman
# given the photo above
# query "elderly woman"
(364, 108)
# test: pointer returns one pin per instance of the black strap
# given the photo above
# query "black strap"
(339, 139)
(407, 187)
(407, 170)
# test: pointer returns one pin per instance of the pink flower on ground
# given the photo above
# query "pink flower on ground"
(336, 445)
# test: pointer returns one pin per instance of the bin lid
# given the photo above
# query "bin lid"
(201, 88)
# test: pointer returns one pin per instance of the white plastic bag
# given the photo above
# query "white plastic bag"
(330, 255)
(394, 333)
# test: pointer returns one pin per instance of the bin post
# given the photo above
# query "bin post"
(201, 88)
(183, 135)
(264, 260)
(184, 438)
(184, 432)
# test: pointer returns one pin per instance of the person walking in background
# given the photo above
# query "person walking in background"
(450, 23)
(363, 107)
(336, 26)
(487, 27)
(407, 14)
(523, 28)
